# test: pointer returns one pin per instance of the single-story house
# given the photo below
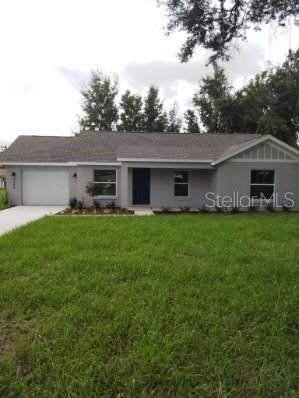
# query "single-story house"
(152, 169)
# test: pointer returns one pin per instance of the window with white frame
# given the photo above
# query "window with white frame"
(181, 183)
(106, 182)
(262, 184)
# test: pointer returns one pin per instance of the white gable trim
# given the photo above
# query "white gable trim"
(263, 139)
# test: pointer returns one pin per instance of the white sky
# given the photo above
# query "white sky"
(48, 48)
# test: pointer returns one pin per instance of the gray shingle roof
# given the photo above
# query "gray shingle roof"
(109, 146)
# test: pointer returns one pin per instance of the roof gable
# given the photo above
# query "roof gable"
(265, 148)
(267, 151)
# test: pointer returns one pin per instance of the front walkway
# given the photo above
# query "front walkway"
(142, 210)
(16, 216)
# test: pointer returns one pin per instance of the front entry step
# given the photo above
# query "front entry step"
(142, 211)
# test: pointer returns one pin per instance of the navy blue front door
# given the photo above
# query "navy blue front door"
(141, 186)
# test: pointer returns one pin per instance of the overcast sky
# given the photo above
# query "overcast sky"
(48, 48)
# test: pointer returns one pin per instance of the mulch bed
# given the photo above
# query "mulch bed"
(95, 212)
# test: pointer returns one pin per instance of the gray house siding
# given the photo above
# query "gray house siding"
(14, 190)
(85, 175)
(235, 177)
(227, 178)
(162, 188)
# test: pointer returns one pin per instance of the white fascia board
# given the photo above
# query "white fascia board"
(38, 164)
(163, 160)
(98, 163)
(65, 164)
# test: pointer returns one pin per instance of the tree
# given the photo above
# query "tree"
(192, 125)
(269, 104)
(154, 117)
(174, 119)
(99, 105)
(215, 24)
(213, 101)
(131, 115)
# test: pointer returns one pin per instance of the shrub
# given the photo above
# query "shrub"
(111, 205)
(93, 189)
(203, 209)
(80, 204)
(235, 209)
(270, 207)
(185, 209)
(286, 208)
(252, 208)
(97, 204)
(73, 203)
(3, 198)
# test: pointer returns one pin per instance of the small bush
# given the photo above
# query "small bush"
(93, 189)
(185, 209)
(252, 208)
(73, 203)
(80, 204)
(111, 205)
(165, 210)
(270, 207)
(97, 204)
(286, 208)
(235, 209)
(203, 209)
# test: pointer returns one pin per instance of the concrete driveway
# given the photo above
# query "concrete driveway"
(21, 215)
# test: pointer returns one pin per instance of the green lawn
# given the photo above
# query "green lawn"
(169, 306)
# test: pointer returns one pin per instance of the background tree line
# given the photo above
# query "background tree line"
(268, 104)
(102, 111)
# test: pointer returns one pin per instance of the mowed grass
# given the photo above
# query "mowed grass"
(169, 306)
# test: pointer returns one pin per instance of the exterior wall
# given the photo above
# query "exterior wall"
(14, 190)
(229, 177)
(235, 177)
(162, 188)
(85, 175)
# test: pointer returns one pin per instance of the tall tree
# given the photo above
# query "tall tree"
(154, 116)
(215, 24)
(191, 122)
(131, 114)
(99, 103)
(213, 102)
(174, 119)
(269, 104)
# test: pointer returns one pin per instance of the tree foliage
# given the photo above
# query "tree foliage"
(268, 104)
(174, 119)
(213, 102)
(100, 112)
(131, 112)
(214, 24)
(155, 118)
(191, 122)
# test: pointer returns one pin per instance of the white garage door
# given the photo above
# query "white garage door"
(45, 187)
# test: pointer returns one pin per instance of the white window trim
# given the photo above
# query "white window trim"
(116, 180)
(181, 183)
(256, 200)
